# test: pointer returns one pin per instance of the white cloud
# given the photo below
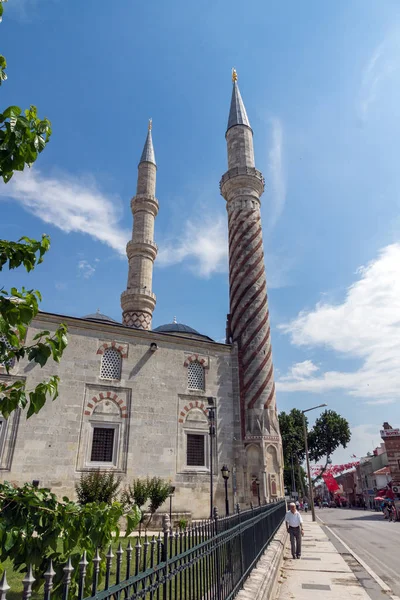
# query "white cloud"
(72, 204)
(300, 370)
(85, 269)
(203, 245)
(277, 178)
(380, 68)
(366, 326)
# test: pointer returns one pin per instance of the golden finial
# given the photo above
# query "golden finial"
(150, 124)
(234, 76)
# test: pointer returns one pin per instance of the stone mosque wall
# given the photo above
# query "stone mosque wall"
(127, 408)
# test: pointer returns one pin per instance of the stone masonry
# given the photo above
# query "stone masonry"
(138, 301)
(249, 326)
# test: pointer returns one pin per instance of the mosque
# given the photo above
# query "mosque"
(170, 401)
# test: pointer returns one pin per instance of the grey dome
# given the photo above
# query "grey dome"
(99, 317)
(180, 329)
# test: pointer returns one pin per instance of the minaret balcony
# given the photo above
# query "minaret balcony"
(146, 248)
(145, 202)
(247, 180)
(237, 171)
(136, 299)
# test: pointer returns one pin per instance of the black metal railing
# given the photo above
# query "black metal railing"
(208, 561)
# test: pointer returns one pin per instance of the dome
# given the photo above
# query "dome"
(99, 317)
(180, 329)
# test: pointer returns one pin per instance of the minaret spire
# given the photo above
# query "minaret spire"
(138, 301)
(249, 327)
(148, 150)
(237, 112)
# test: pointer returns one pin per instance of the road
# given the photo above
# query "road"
(371, 537)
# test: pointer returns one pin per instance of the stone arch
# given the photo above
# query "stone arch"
(196, 357)
(122, 348)
(89, 408)
(188, 407)
(272, 459)
(253, 459)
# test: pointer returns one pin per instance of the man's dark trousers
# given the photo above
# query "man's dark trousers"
(295, 541)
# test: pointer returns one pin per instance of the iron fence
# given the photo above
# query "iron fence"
(208, 561)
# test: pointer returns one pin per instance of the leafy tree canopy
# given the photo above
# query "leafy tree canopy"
(328, 433)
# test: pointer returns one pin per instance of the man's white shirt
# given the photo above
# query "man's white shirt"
(294, 519)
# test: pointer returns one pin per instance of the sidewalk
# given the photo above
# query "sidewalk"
(320, 569)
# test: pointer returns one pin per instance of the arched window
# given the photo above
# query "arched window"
(111, 364)
(195, 376)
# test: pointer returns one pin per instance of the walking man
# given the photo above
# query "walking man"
(294, 525)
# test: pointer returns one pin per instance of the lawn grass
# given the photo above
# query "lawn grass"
(15, 578)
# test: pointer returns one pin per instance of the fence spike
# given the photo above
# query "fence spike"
(109, 557)
(83, 563)
(119, 562)
(129, 550)
(4, 587)
(68, 570)
(48, 586)
(96, 568)
(28, 582)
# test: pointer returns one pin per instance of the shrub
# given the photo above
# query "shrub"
(35, 527)
(159, 491)
(97, 487)
(182, 524)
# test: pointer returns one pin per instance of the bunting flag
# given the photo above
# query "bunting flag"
(330, 482)
(335, 469)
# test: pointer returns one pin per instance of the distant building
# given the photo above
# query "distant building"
(391, 437)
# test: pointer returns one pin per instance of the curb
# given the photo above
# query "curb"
(262, 583)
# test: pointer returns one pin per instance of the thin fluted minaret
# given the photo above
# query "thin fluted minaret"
(138, 300)
(248, 323)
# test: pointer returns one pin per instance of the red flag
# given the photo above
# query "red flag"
(330, 482)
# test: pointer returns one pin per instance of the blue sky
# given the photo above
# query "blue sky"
(320, 82)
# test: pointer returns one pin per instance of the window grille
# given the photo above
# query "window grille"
(6, 346)
(102, 444)
(195, 455)
(110, 364)
(195, 376)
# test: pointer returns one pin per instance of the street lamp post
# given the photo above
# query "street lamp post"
(258, 491)
(293, 479)
(171, 493)
(225, 474)
(307, 457)
(211, 420)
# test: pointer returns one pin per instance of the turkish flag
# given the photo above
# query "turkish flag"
(330, 482)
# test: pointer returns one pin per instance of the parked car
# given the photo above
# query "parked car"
(332, 504)
(325, 504)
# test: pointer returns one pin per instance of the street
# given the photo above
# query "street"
(371, 537)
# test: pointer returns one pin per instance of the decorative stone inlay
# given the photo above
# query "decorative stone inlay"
(122, 348)
(190, 405)
(203, 360)
(137, 320)
(104, 397)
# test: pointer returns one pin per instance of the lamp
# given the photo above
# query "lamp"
(225, 474)
(211, 430)
(258, 491)
(171, 493)
(307, 457)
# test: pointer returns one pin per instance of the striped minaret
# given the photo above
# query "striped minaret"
(138, 301)
(249, 323)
